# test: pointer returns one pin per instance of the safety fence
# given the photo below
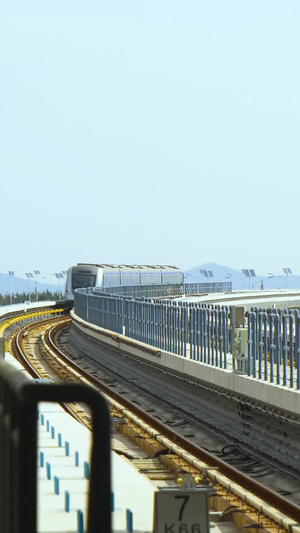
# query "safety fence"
(193, 330)
(205, 333)
(148, 291)
(274, 346)
(192, 289)
(163, 291)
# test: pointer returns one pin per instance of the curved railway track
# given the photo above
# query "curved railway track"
(33, 366)
(267, 507)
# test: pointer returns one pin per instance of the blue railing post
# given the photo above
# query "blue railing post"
(297, 349)
(291, 349)
(271, 345)
(251, 318)
(277, 348)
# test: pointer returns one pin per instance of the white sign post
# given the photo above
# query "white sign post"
(181, 511)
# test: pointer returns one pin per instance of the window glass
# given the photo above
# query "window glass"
(83, 280)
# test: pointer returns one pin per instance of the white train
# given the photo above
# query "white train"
(88, 275)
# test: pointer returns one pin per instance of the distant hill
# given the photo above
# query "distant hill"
(224, 273)
(15, 285)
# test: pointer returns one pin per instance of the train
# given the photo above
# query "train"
(84, 275)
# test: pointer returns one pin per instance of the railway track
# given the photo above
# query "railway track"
(235, 492)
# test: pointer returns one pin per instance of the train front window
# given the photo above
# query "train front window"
(83, 281)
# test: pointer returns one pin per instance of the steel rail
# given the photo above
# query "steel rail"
(19, 352)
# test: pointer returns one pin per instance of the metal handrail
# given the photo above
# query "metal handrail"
(19, 398)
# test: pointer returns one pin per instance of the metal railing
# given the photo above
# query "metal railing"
(193, 289)
(204, 333)
(197, 331)
(164, 291)
(147, 291)
(19, 397)
(210, 328)
(274, 346)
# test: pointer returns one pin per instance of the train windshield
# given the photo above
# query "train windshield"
(83, 281)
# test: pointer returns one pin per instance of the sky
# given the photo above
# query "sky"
(149, 132)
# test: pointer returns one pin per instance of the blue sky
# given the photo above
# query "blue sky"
(150, 132)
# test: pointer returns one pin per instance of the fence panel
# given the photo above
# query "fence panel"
(198, 331)
(274, 346)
